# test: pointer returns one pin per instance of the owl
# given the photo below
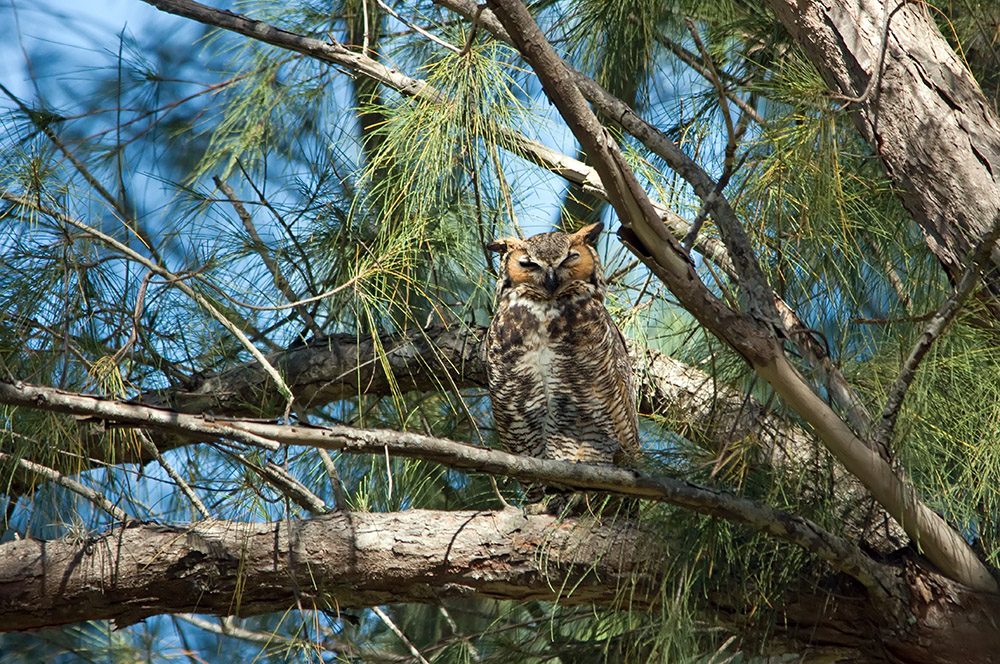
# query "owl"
(560, 378)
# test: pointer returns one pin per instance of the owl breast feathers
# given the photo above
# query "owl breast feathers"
(560, 377)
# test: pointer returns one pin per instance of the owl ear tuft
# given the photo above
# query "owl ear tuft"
(503, 245)
(589, 234)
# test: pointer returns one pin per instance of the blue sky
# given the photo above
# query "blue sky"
(33, 27)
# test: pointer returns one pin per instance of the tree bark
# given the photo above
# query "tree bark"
(356, 560)
(341, 560)
(837, 551)
(925, 115)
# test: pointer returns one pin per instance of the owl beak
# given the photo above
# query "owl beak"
(551, 283)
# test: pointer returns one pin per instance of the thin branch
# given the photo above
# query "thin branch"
(225, 627)
(720, 90)
(691, 60)
(472, 37)
(150, 448)
(170, 277)
(59, 479)
(366, 46)
(419, 30)
(399, 633)
(877, 75)
(140, 300)
(297, 303)
(473, 651)
(935, 328)
(291, 487)
(339, 495)
(280, 282)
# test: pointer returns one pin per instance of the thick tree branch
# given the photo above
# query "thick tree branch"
(749, 336)
(358, 560)
(841, 554)
(339, 560)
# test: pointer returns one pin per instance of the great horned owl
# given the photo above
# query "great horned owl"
(560, 378)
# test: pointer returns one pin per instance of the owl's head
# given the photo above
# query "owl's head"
(551, 265)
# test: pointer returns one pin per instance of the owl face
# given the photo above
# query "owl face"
(551, 265)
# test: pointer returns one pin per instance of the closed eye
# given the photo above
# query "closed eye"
(572, 256)
(524, 261)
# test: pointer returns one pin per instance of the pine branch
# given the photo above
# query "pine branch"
(54, 476)
(935, 328)
(279, 280)
(171, 278)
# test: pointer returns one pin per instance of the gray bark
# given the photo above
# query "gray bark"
(344, 559)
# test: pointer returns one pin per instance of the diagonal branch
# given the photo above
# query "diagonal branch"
(838, 552)
(279, 280)
(58, 478)
(750, 336)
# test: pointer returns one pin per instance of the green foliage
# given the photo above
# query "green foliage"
(375, 208)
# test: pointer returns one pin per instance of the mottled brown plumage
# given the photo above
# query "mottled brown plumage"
(560, 378)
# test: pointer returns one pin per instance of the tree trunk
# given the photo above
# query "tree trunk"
(925, 115)
(344, 560)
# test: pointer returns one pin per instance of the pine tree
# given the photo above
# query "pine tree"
(244, 286)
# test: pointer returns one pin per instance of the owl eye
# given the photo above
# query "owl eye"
(572, 256)
(524, 261)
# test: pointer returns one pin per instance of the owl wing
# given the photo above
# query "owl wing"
(628, 428)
